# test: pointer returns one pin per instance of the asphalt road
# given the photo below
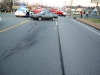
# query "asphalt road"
(45, 47)
(4, 15)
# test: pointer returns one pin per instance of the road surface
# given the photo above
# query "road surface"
(61, 47)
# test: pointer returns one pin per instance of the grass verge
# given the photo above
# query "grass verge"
(94, 20)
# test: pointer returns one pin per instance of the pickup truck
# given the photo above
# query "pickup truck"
(36, 11)
(58, 12)
(61, 13)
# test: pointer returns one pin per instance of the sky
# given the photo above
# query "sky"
(60, 3)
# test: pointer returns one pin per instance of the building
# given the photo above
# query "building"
(96, 11)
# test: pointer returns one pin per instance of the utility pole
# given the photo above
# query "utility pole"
(71, 8)
(97, 3)
(13, 5)
(64, 4)
(41, 2)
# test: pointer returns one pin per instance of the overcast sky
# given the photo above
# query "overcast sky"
(60, 3)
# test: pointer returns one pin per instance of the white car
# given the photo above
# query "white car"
(21, 12)
(76, 13)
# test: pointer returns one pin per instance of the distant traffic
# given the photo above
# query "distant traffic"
(22, 11)
(40, 13)
(45, 14)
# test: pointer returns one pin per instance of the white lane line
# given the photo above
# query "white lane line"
(87, 27)
(56, 23)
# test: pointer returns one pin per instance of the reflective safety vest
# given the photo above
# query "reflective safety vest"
(27, 10)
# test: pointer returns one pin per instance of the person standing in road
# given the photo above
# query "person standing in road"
(27, 13)
(87, 14)
(84, 12)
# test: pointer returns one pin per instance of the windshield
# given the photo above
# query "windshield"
(21, 9)
(42, 12)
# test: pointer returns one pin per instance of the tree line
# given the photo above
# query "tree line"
(8, 4)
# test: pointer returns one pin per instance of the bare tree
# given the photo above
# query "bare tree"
(8, 4)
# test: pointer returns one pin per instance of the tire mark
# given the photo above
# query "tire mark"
(60, 51)
(4, 53)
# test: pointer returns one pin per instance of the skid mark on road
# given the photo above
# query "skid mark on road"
(21, 23)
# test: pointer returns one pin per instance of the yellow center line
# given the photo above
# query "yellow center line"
(21, 23)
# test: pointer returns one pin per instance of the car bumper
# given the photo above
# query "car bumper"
(55, 16)
(21, 14)
(35, 17)
(63, 14)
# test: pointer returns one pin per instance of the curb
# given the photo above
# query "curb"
(97, 26)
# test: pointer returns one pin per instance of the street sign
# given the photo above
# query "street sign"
(95, 1)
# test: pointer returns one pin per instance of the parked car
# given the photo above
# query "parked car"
(44, 15)
(21, 11)
(36, 11)
(58, 12)
(53, 11)
(76, 13)
(4, 10)
(61, 13)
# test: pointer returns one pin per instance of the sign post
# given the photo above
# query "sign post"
(95, 1)
(71, 8)
(13, 6)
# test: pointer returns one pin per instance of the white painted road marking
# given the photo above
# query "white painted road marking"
(87, 27)
(56, 23)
